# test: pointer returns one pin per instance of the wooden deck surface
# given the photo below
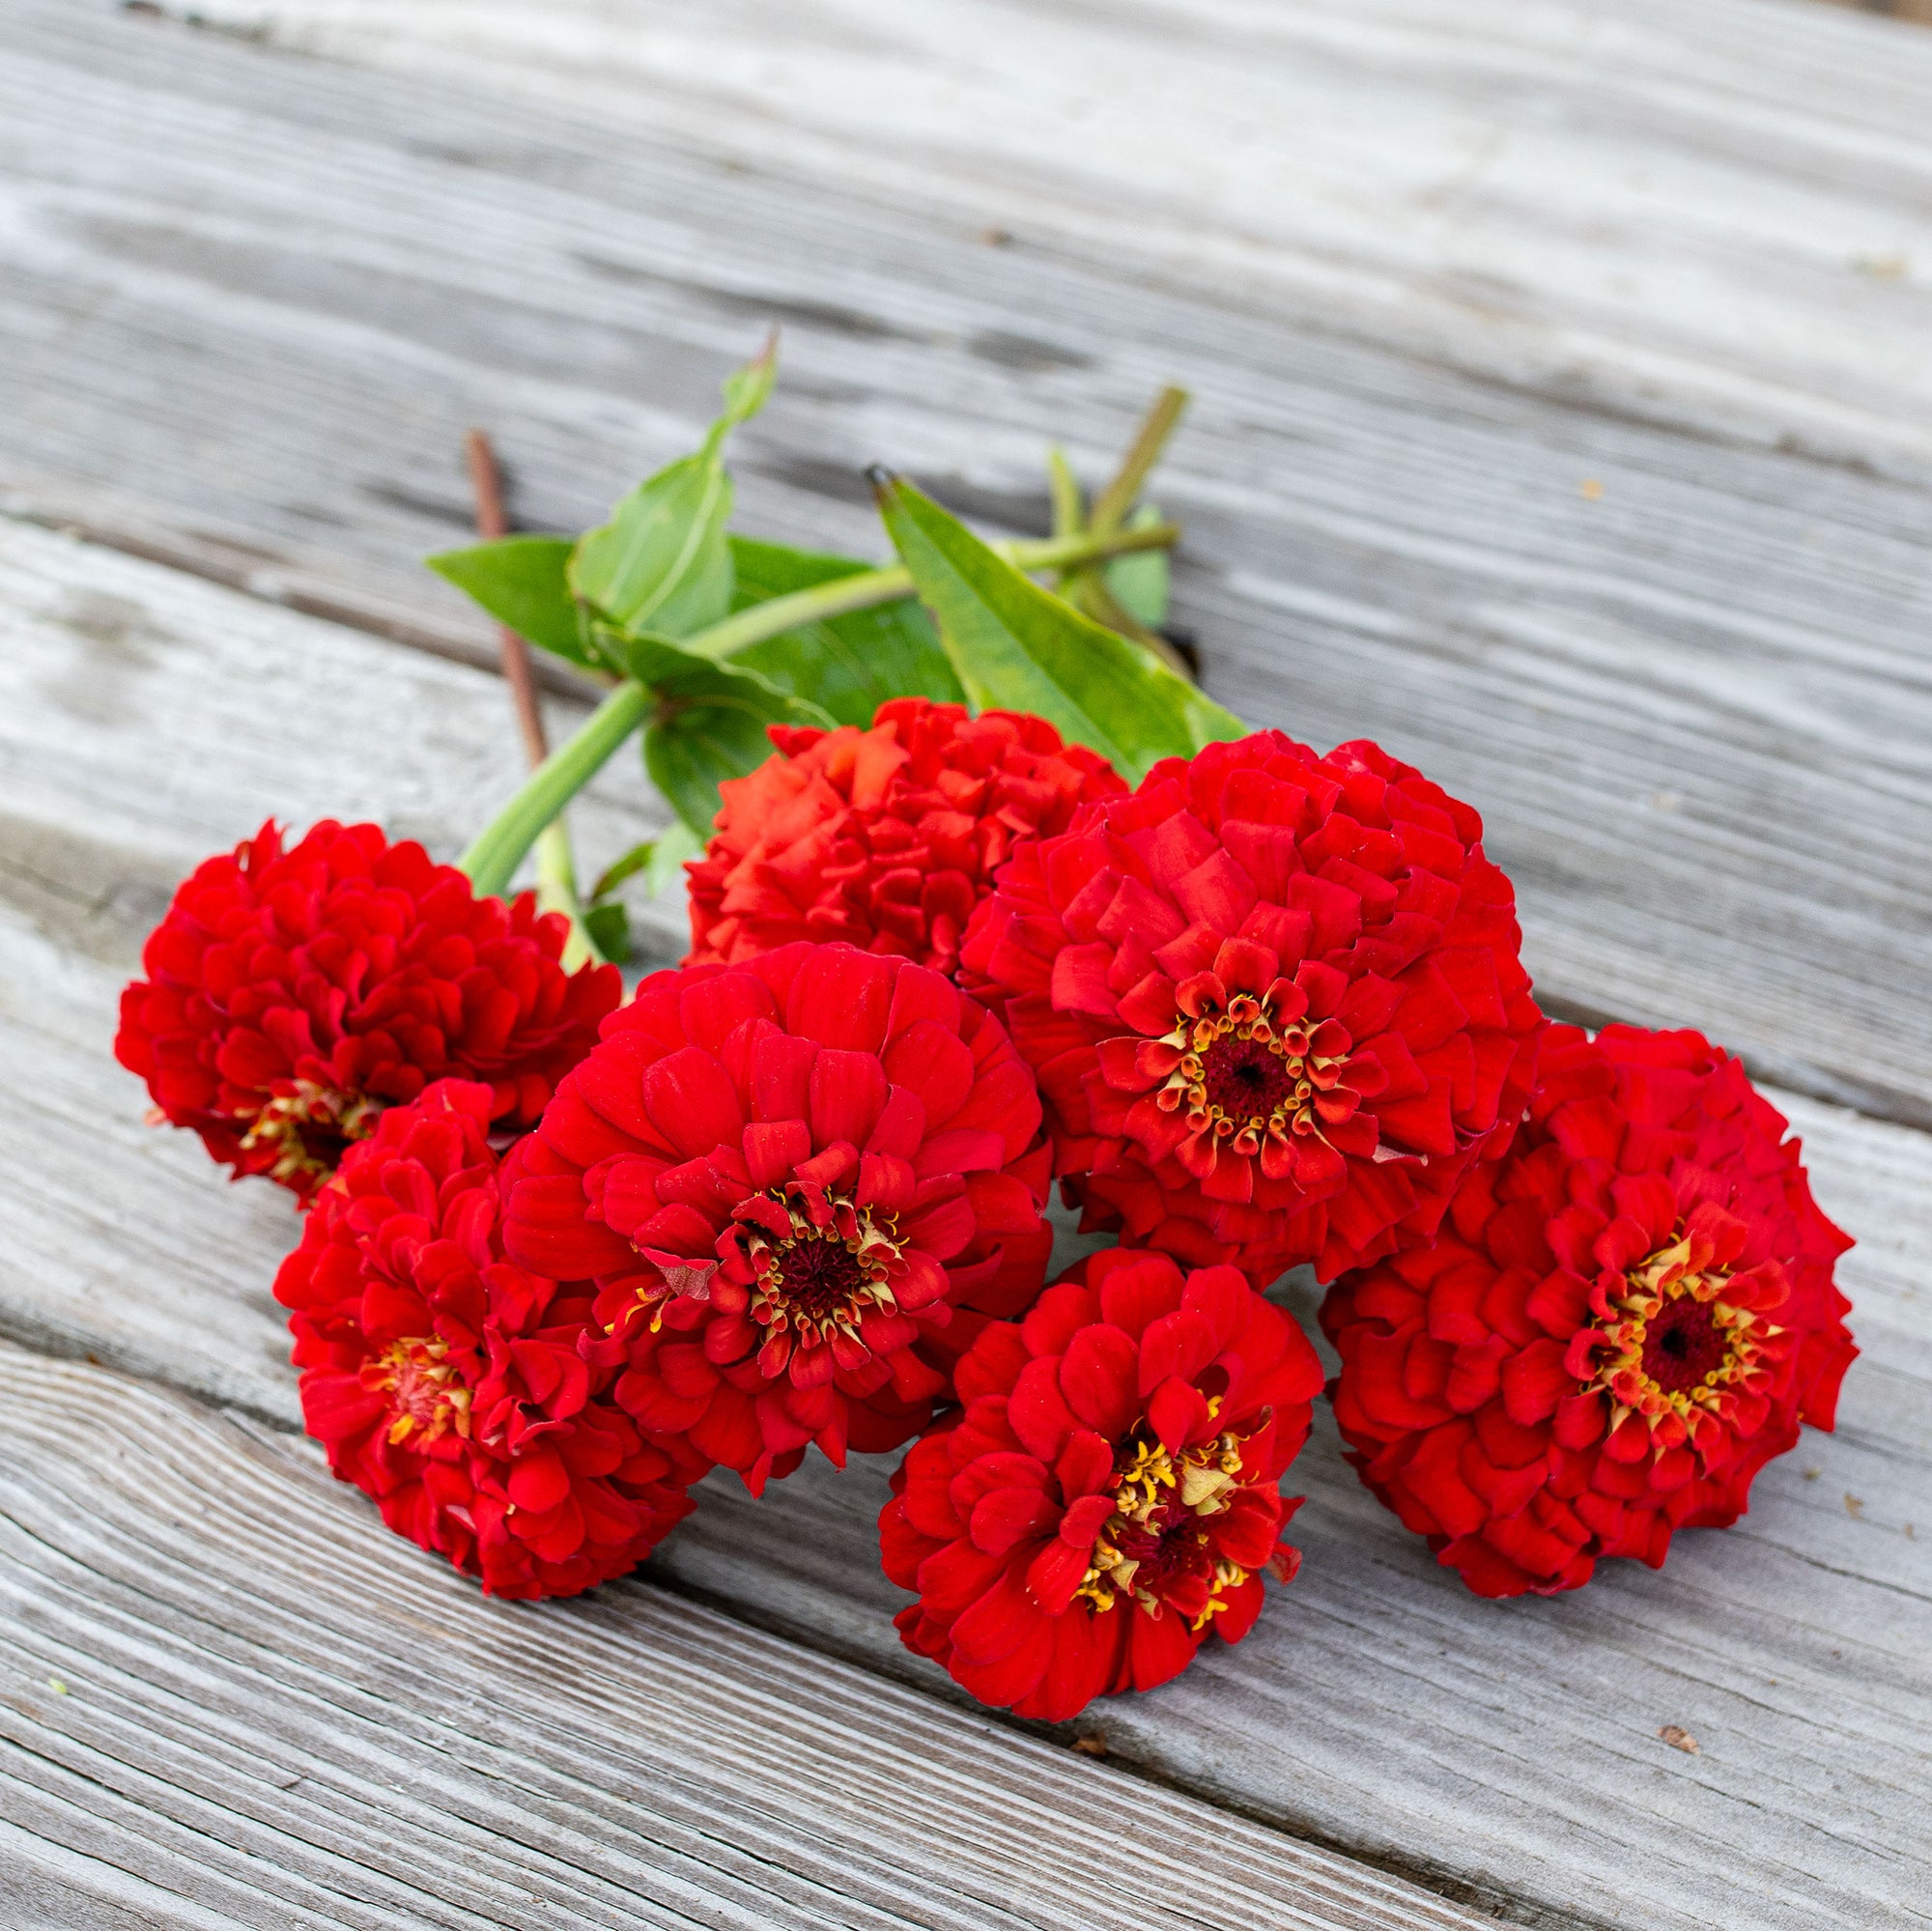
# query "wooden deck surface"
(248, 303)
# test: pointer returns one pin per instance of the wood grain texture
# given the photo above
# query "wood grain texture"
(1508, 1754)
(1703, 211)
(248, 305)
(1919, 10)
(225, 1703)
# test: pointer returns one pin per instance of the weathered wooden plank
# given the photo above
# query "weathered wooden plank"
(1508, 1751)
(1704, 210)
(247, 306)
(225, 1703)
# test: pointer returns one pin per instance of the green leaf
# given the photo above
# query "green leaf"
(662, 563)
(637, 859)
(610, 929)
(710, 720)
(1139, 579)
(522, 581)
(849, 665)
(1017, 647)
(746, 390)
(658, 859)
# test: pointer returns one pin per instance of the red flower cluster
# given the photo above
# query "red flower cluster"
(1265, 1010)
(787, 1178)
(291, 995)
(1273, 1001)
(1627, 1317)
(449, 1384)
(886, 837)
(1111, 1492)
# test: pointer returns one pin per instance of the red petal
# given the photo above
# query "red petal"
(1099, 1379)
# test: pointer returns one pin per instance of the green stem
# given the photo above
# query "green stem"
(501, 846)
(1112, 504)
(557, 891)
(865, 588)
(492, 861)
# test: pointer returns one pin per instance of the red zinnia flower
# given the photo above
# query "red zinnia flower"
(1111, 1493)
(292, 995)
(783, 1177)
(1625, 1318)
(450, 1385)
(885, 837)
(1274, 1000)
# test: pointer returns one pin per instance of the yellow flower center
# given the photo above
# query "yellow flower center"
(426, 1399)
(310, 1129)
(1155, 1537)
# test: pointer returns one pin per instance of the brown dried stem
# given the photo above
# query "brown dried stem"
(487, 482)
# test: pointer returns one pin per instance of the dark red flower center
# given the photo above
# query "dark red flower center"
(1168, 1550)
(817, 1280)
(310, 1129)
(426, 1399)
(819, 1266)
(1682, 1343)
(1245, 1079)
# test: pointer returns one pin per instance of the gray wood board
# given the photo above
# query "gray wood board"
(222, 1702)
(1712, 211)
(249, 303)
(1506, 1752)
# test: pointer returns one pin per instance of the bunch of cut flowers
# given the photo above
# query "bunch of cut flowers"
(985, 896)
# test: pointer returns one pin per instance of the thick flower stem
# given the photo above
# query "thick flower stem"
(493, 859)
(557, 891)
(500, 848)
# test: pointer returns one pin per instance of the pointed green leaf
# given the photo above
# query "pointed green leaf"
(696, 742)
(662, 563)
(710, 720)
(848, 665)
(746, 390)
(658, 859)
(610, 929)
(1017, 647)
(637, 859)
(522, 581)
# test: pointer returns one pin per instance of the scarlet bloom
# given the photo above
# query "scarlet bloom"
(885, 837)
(1110, 1495)
(1274, 1000)
(291, 995)
(1626, 1317)
(449, 1384)
(789, 1179)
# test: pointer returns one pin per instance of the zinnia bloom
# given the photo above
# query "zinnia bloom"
(885, 837)
(784, 1176)
(1627, 1316)
(1274, 1000)
(1110, 1495)
(291, 995)
(449, 1384)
